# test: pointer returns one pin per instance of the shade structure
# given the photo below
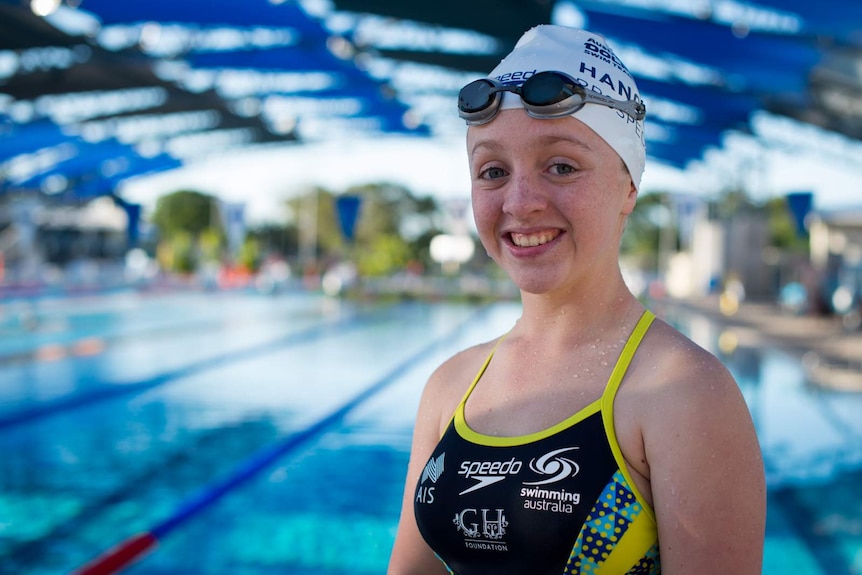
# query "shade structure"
(152, 78)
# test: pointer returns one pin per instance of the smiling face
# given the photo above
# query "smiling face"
(550, 198)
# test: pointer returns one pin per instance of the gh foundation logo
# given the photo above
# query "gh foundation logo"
(487, 524)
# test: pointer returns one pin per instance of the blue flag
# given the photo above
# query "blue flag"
(800, 204)
(347, 207)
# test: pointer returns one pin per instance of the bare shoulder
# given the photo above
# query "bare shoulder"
(701, 457)
(449, 382)
(681, 366)
(684, 391)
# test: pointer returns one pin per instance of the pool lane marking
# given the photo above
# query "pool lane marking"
(57, 351)
(108, 391)
(233, 442)
(50, 352)
(135, 547)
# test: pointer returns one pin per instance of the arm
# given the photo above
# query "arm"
(410, 554)
(706, 472)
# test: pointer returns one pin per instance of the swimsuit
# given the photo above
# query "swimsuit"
(558, 501)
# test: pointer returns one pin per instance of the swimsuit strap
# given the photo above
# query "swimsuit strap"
(481, 372)
(607, 401)
(620, 369)
(626, 356)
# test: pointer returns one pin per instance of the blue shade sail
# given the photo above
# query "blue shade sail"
(701, 74)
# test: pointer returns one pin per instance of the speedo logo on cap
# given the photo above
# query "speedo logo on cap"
(515, 78)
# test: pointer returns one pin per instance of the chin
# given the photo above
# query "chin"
(535, 285)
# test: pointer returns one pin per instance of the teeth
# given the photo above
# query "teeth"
(532, 240)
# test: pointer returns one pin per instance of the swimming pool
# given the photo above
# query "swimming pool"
(261, 434)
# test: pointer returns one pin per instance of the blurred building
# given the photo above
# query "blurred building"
(47, 242)
(714, 251)
(836, 257)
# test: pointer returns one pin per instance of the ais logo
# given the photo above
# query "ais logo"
(433, 470)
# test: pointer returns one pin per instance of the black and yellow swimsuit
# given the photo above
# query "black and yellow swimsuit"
(558, 501)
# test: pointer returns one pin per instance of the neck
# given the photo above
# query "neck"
(584, 314)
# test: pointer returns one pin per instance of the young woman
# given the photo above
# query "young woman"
(592, 438)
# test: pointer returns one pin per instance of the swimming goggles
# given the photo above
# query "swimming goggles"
(545, 95)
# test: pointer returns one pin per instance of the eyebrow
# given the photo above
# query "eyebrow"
(547, 140)
(490, 145)
(554, 138)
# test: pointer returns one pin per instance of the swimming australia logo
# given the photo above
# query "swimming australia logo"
(487, 473)
(558, 468)
(553, 464)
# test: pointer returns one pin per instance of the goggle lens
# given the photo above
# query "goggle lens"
(476, 96)
(545, 95)
(546, 89)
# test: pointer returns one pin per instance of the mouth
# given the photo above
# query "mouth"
(532, 240)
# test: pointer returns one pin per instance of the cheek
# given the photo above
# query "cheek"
(486, 210)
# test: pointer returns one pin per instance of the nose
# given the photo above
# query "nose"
(524, 196)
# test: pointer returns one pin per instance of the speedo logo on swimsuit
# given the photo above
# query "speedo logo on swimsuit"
(550, 464)
(488, 472)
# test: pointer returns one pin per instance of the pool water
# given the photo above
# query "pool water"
(269, 434)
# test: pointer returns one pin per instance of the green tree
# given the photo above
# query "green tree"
(209, 243)
(782, 228)
(185, 210)
(312, 216)
(189, 230)
(645, 225)
(177, 252)
(249, 254)
(275, 238)
(383, 254)
(394, 227)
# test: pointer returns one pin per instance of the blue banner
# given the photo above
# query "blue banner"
(347, 208)
(799, 204)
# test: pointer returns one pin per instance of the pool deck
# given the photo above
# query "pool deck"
(832, 356)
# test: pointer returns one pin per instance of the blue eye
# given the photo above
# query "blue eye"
(563, 169)
(493, 173)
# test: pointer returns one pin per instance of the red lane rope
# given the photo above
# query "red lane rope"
(120, 556)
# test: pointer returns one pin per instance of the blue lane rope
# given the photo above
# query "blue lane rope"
(108, 391)
(135, 547)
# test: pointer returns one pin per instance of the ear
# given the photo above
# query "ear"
(631, 198)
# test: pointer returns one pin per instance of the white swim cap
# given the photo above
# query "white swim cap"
(586, 57)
